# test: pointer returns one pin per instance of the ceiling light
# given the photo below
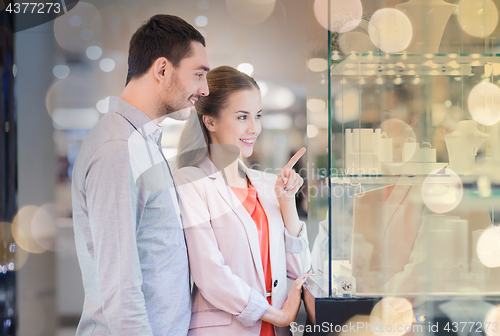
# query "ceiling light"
(107, 64)
(246, 68)
(317, 64)
(61, 71)
(94, 52)
(201, 21)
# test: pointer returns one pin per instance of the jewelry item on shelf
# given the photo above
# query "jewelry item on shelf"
(428, 19)
(462, 146)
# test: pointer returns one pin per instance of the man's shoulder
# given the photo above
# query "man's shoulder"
(112, 131)
(112, 126)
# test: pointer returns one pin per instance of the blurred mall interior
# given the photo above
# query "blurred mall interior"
(411, 72)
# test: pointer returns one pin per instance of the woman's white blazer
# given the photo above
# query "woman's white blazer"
(224, 252)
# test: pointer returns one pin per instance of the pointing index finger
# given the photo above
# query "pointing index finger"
(294, 159)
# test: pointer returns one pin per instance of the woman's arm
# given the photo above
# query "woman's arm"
(289, 212)
(287, 314)
(298, 257)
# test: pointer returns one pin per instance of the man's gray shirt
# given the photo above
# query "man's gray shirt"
(128, 230)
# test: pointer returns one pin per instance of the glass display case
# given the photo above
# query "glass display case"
(409, 148)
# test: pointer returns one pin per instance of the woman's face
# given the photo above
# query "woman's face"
(238, 123)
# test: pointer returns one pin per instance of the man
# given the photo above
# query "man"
(128, 231)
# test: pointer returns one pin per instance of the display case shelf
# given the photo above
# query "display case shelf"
(369, 64)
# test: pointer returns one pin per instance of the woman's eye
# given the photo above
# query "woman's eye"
(199, 75)
(258, 116)
(243, 117)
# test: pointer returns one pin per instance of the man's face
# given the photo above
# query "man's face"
(187, 83)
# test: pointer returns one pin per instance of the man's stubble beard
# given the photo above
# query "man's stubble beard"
(166, 106)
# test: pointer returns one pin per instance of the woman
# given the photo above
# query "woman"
(242, 229)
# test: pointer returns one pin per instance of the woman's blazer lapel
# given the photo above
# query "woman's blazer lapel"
(264, 184)
(249, 225)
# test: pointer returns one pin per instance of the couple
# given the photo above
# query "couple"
(133, 218)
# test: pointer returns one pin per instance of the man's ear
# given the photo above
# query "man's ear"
(209, 123)
(162, 69)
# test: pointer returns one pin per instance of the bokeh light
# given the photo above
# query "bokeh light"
(492, 320)
(103, 105)
(358, 41)
(21, 255)
(283, 98)
(44, 228)
(478, 18)
(21, 229)
(66, 104)
(393, 316)
(312, 131)
(317, 64)
(61, 71)
(250, 12)
(390, 30)
(316, 105)
(442, 190)
(354, 42)
(484, 186)
(362, 330)
(93, 52)
(345, 15)
(107, 64)
(74, 118)
(488, 250)
(278, 97)
(246, 68)
(75, 21)
(484, 103)
(201, 21)
(74, 32)
(277, 121)
(264, 88)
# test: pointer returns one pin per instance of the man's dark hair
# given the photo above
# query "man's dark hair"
(162, 35)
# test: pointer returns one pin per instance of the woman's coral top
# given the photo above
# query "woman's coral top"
(248, 197)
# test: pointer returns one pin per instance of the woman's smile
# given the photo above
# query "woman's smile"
(248, 142)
